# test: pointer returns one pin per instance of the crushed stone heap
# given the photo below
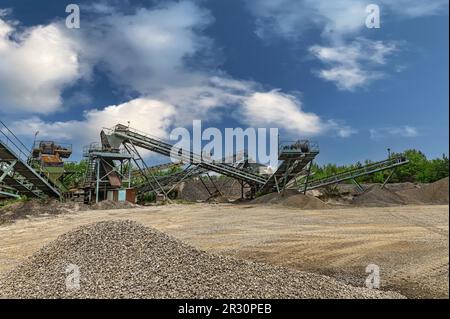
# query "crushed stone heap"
(123, 259)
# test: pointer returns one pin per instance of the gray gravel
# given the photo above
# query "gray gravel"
(123, 259)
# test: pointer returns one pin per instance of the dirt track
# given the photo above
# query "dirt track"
(408, 243)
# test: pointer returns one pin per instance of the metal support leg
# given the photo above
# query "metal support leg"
(97, 183)
(188, 173)
(358, 185)
(8, 170)
(288, 168)
(388, 178)
(307, 178)
(133, 149)
(214, 184)
(276, 183)
(129, 173)
(206, 187)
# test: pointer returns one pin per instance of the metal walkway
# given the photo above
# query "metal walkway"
(15, 171)
(355, 173)
(126, 135)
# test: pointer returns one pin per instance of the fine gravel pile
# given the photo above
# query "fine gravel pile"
(193, 189)
(291, 198)
(434, 193)
(376, 196)
(122, 259)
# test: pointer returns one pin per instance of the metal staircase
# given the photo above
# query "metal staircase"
(15, 172)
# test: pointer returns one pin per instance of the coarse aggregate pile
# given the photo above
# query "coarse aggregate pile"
(123, 259)
(291, 198)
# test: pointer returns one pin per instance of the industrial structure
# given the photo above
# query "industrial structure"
(117, 171)
(18, 177)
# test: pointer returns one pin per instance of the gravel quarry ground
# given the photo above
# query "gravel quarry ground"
(123, 259)
(408, 243)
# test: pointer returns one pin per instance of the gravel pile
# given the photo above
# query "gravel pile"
(122, 259)
(376, 196)
(434, 193)
(291, 198)
(193, 189)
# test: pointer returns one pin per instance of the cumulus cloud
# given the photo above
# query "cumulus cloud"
(149, 53)
(338, 21)
(417, 8)
(285, 111)
(144, 52)
(35, 66)
(149, 49)
(291, 18)
(146, 114)
(389, 132)
(353, 65)
(274, 107)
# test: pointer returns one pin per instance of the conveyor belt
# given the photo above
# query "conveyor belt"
(21, 176)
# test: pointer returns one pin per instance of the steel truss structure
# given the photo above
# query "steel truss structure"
(106, 170)
(17, 177)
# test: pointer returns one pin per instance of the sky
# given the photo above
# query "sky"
(311, 68)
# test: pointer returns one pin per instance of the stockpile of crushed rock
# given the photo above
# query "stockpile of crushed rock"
(122, 259)
(290, 198)
(434, 193)
(378, 197)
(408, 194)
(194, 190)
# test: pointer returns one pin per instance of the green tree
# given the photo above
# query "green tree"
(75, 173)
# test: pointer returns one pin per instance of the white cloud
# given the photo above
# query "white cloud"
(148, 53)
(144, 52)
(417, 8)
(291, 18)
(389, 132)
(146, 114)
(35, 66)
(353, 65)
(148, 50)
(285, 111)
(339, 21)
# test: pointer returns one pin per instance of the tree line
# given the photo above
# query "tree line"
(419, 170)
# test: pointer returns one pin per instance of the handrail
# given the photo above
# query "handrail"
(22, 152)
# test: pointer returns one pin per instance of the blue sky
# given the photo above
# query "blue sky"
(311, 68)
